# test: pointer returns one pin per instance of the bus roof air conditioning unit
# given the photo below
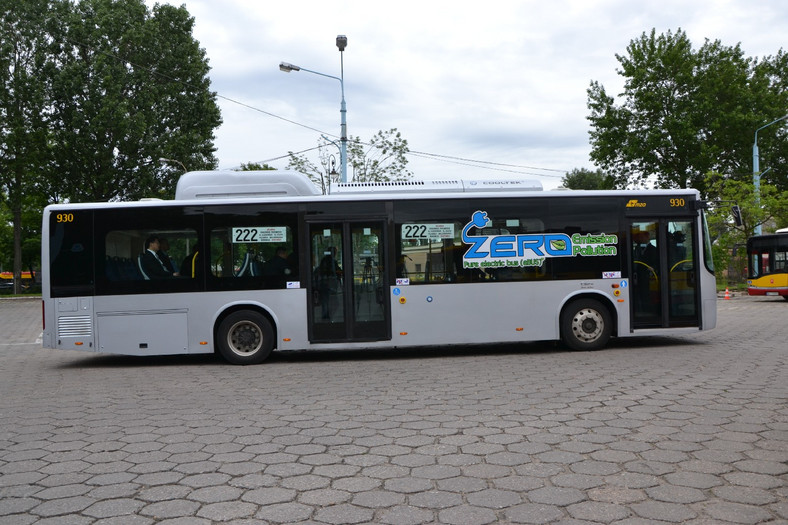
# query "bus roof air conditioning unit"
(242, 184)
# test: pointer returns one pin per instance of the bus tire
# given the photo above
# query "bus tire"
(245, 337)
(586, 324)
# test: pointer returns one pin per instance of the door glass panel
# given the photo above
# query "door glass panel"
(327, 275)
(367, 255)
(682, 284)
(646, 274)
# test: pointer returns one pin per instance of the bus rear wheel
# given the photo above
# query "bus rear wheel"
(245, 338)
(586, 324)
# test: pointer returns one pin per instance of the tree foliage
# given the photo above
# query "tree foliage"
(770, 210)
(255, 166)
(93, 93)
(584, 179)
(131, 87)
(383, 158)
(686, 112)
(24, 153)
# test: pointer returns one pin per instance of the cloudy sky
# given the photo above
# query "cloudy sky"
(485, 90)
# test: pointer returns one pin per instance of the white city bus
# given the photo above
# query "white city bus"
(261, 261)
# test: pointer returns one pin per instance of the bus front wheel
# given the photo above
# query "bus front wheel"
(586, 324)
(245, 338)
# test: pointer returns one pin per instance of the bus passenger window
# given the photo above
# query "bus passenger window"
(429, 252)
(126, 256)
(780, 261)
(263, 256)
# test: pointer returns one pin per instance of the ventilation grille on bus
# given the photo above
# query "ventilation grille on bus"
(442, 186)
(74, 326)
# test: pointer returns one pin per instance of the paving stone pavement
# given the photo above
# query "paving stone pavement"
(684, 429)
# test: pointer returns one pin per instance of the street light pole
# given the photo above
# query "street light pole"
(756, 172)
(342, 44)
(287, 68)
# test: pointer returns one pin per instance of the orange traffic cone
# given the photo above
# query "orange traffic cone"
(727, 294)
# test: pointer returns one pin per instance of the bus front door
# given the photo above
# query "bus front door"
(663, 273)
(348, 282)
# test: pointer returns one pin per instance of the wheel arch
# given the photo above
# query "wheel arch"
(237, 307)
(605, 299)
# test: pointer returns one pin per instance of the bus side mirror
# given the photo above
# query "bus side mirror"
(736, 212)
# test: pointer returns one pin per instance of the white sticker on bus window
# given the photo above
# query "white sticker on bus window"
(255, 234)
(326, 233)
(367, 231)
(293, 284)
(428, 231)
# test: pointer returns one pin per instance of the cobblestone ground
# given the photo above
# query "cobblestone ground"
(690, 429)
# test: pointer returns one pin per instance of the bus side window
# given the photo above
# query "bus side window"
(71, 249)
(780, 261)
(223, 258)
(252, 250)
(429, 251)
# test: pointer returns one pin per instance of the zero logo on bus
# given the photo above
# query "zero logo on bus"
(530, 249)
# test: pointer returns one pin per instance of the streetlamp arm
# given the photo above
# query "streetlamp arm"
(321, 74)
(756, 173)
(287, 68)
(755, 159)
(769, 124)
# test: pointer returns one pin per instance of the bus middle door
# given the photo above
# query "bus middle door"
(348, 282)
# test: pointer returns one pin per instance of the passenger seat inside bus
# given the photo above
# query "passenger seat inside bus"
(121, 269)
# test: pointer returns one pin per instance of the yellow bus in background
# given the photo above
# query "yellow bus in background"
(767, 264)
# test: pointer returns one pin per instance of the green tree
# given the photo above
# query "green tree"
(383, 158)
(584, 179)
(771, 207)
(685, 113)
(255, 166)
(729, 238)
(26, 233)
(6, 237)
(132, 86)
(24, 70)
